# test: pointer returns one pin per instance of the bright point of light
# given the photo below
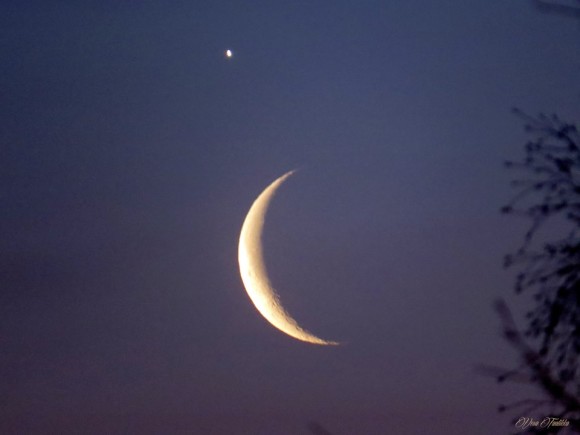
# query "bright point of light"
(229, 53)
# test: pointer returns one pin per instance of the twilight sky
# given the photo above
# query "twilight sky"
(131, 150)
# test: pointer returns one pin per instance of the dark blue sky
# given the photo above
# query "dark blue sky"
(131, 150)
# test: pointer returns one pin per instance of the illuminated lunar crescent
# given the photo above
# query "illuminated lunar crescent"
(255, 275)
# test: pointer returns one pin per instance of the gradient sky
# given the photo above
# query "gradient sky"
(131, 150)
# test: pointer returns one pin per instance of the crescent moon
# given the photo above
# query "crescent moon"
(255, 275)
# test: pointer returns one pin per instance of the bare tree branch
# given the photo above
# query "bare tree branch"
(563, 9)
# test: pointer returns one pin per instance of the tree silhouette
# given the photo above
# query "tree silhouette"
(549, 191)
(316, 429)
(558, 8)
